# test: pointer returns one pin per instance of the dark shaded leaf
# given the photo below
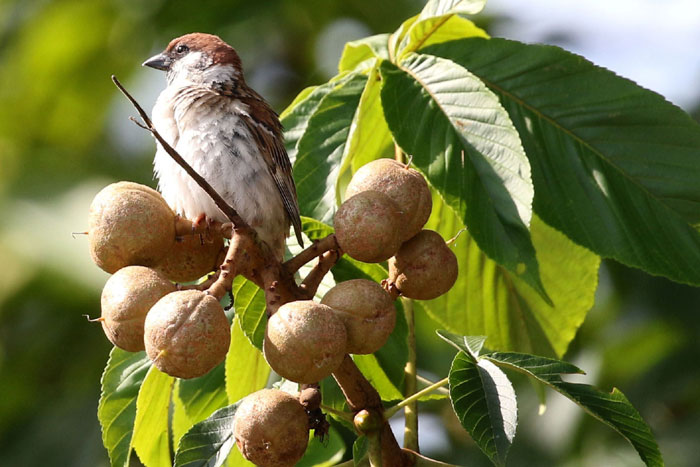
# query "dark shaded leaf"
(615, 166)
(209, 442)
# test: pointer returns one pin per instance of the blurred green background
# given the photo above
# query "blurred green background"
(64, 134)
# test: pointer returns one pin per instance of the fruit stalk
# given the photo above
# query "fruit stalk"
(410, 437)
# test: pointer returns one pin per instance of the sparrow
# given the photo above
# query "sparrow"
(228, 134)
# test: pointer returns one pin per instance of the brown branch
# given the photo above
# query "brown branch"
(230, 213)
(316, 249)
(311, 282)
(359, 393)
(361, 396)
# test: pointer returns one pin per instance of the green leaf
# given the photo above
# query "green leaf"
(323, 147)
(246, 368)
(436, 30)
(323, 454)
(484, 401)
(249, 303)
(203, 395)
(369, 136)
(333, 397)
(209, 442)
(437, 8)
(489, 300)
(463, 141)
(438, 22)
(393, 355)
(470, 345)
(615, 166)
(359, 451)
(150, 439)
(180, 422)
(542, 368)
(612, 408)
(370, 368)
(360, 54)
(121, 381)
(296, 117)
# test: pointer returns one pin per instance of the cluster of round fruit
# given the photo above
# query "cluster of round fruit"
(132, 234)
(387, 204)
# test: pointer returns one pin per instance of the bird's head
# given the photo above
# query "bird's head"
(198, 58)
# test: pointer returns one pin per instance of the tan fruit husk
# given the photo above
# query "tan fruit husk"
(424, 267)
(187, 333)
(367, 227)
(191, 257)
(126, 298)
(271, 428)
(405, 186)
(304, 341)
(129, 224)
(367, 311)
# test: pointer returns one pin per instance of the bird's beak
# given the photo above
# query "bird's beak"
(159, 62)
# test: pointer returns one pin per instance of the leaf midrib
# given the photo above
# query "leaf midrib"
(446, 116)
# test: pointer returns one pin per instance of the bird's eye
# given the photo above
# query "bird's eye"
(181, 49)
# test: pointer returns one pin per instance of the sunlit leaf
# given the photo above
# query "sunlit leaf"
(369, 137)
(488, 300)
(180, 422)
(443, 7)
(436, 30)
(246, 368)
(360, 54)
(463, 141)
(470, 345)
(150, 440)
(484, 401)
(615, 166)
(370, 368)
(249, 303)
(121, 381)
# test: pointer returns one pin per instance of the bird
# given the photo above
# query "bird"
(228, 134)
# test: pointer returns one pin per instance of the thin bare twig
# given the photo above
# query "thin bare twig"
(226, 208)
